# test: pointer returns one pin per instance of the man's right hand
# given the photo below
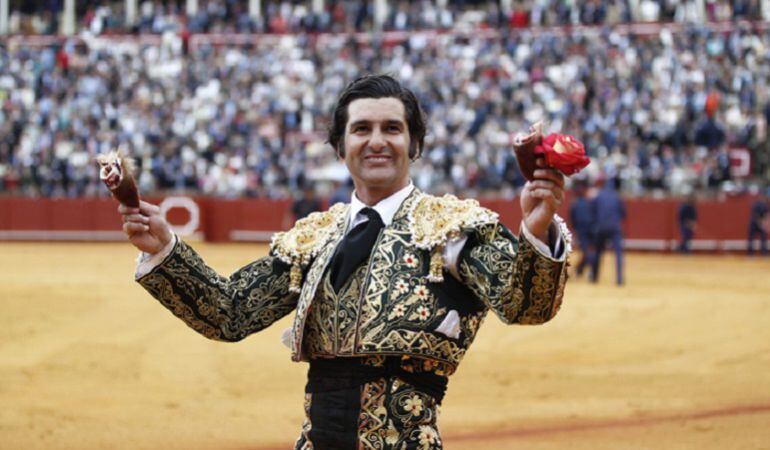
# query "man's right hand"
(145, 227)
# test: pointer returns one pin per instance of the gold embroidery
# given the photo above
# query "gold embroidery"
(161, 289)
(219, 308)
(398, 312)
(495, 276)
(372, 421)
(522, 286)
(331, 321)
(303, 442)
(470, 326)
(541, 294)
(314, 277)
(428, 438)
(560, 287)
(397, 418)
(384, 265)
(415, 343)
(547, 286)
(435, 220)
(302, 243)
(436, 272)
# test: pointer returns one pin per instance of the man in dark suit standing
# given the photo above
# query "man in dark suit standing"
(582, 218)
(758, 223)
(610, 212)
(688, 217)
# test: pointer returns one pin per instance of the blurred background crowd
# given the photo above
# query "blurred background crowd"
(297, 16)
(661, 110)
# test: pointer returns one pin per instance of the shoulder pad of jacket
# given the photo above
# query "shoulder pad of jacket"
(435, 220)
(300, 244)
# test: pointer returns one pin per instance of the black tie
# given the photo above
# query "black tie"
(355, 248)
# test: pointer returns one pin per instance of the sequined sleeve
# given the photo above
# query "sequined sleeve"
(520, 284)
(226, 309)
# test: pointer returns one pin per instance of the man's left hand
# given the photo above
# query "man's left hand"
(541, 198)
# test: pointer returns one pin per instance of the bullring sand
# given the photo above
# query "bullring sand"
(679, 358)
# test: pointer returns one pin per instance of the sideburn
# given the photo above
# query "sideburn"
(414, 153)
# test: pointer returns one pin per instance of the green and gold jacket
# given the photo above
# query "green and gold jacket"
(406, 293)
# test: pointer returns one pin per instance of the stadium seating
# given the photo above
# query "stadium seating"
(663, 108)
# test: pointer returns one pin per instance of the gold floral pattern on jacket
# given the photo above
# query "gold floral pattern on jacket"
(396, 415)
(436, 220)
(220, 308)
(301, 243)
(330, 328)
(526, 289)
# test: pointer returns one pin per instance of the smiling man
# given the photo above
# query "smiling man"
(389, 290)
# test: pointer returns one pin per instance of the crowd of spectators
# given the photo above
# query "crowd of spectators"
(297, 16)
(657, 113)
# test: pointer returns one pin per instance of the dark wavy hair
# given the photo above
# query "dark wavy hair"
(378, 86)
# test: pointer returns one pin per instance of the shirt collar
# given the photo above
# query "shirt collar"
(386, 207)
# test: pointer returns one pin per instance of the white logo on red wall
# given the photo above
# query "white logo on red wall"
(740, 162)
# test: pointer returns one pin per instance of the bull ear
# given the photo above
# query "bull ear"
(128, 164)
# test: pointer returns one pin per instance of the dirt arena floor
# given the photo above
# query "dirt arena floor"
(679, 358)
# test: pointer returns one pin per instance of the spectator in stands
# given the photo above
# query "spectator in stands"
(710, 134)
(688, 218)
(610, 212)
(759, 223)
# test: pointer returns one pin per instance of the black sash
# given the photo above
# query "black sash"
(327, 375)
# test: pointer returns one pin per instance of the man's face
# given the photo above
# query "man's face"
(377, 145)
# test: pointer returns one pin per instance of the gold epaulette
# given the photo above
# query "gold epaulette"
(436, 220)
(301, 243)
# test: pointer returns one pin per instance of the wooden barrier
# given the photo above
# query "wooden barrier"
(651, 224)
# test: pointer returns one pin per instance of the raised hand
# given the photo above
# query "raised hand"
(145, 227)
(541, 198)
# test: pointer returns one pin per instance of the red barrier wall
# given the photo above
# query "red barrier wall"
(227, 220)
(76, 219)
(651, 224)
